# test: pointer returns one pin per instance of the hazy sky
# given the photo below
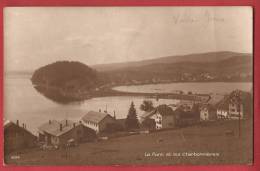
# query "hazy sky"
(36, 36)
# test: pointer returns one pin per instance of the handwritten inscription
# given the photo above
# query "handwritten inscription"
(186, 17)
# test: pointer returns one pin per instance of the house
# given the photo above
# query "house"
(147, 120)
(231, 107)
(208, 112)
(204, 98)
(240, 103)
(163, 116)
(235, 110)
(208, 109)
(186, 105)
(17, 137)
(223, 109)
(173, 106)
(146, 115)
(58, 133)
(97, 121)
(187, 117)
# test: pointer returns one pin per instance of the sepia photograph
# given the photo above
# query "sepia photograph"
(95, 86)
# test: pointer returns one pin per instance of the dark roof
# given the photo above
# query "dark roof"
(165, 110)
(210, 107)
(95, 117)
(53, 127)
(244, 96)
(215, 99)
(173, 105)
(185, 102)
(223, 104)
(148, 114)
(8, 124)
(182, 114)
(162, 109)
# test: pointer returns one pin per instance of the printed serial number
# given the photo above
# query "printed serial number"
(15, 157)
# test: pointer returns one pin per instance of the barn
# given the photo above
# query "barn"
(58, 133)
(97, 121)
(17, 137)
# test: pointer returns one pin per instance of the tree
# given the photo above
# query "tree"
(131, 120)
(147, 105)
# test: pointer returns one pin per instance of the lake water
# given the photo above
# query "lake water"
(197, 87)
(23, 102)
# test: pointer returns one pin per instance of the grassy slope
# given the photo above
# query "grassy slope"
(130, 150)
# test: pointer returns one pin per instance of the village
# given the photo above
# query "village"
(101, 126)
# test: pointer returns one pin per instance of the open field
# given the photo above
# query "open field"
(134, 150)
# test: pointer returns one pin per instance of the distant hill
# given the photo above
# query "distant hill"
(215, 66)
(196, 58)
(65, 81)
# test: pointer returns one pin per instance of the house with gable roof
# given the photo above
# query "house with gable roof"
(58, 133)
(228, 108)
(97, 121)
(208, 110)
(17, 137)
(163, 115)
(223, 109)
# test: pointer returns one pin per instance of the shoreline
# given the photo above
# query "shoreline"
(59, 95)
(63, 96)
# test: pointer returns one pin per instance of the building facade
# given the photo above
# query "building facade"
(235, 111)
(17, 137)
(97, 121)
(58, 133)
(232, 108)
(223, 110)
(163, 116)
(222, 113)
(208, 113)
